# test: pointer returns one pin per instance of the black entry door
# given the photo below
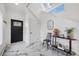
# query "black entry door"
(16, 30)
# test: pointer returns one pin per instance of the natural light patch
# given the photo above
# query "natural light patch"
(57, 9)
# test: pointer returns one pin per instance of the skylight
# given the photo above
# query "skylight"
(57, 9)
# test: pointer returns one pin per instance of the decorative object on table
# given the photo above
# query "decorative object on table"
(56, 32)
(62, 35)
(60, 46)
(50, 24)
(70, 32)
(66, 48)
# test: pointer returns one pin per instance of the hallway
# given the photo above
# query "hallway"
(39, 22)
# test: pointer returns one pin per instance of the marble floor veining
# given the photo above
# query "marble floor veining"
(35, 49)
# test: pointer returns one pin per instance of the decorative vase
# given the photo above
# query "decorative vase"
(70, 35)
(56, 32)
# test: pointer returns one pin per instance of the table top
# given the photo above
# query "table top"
(64, 37)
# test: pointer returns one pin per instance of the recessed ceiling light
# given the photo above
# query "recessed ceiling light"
(16, 3)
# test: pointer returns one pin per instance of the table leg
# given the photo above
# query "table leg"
(70, 46)
(55, 41)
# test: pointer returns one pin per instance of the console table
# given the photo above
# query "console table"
(70, 42)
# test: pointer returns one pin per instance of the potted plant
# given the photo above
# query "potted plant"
(70, 32)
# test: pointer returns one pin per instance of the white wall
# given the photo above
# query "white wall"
(72, 10)
(1, 28)
(34, 30)
(32, 22)
(2, 12)
(11, 15)
(61, 23)
(34, 27)
(26, 31)
(2, 40)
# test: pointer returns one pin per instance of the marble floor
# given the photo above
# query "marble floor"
(34, 49)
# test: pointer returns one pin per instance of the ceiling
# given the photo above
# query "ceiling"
(71, 10)
(20, 8)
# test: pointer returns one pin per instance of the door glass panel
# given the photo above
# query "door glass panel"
(17, 24)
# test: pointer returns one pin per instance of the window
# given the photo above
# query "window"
(16, 23)
(57, 9)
